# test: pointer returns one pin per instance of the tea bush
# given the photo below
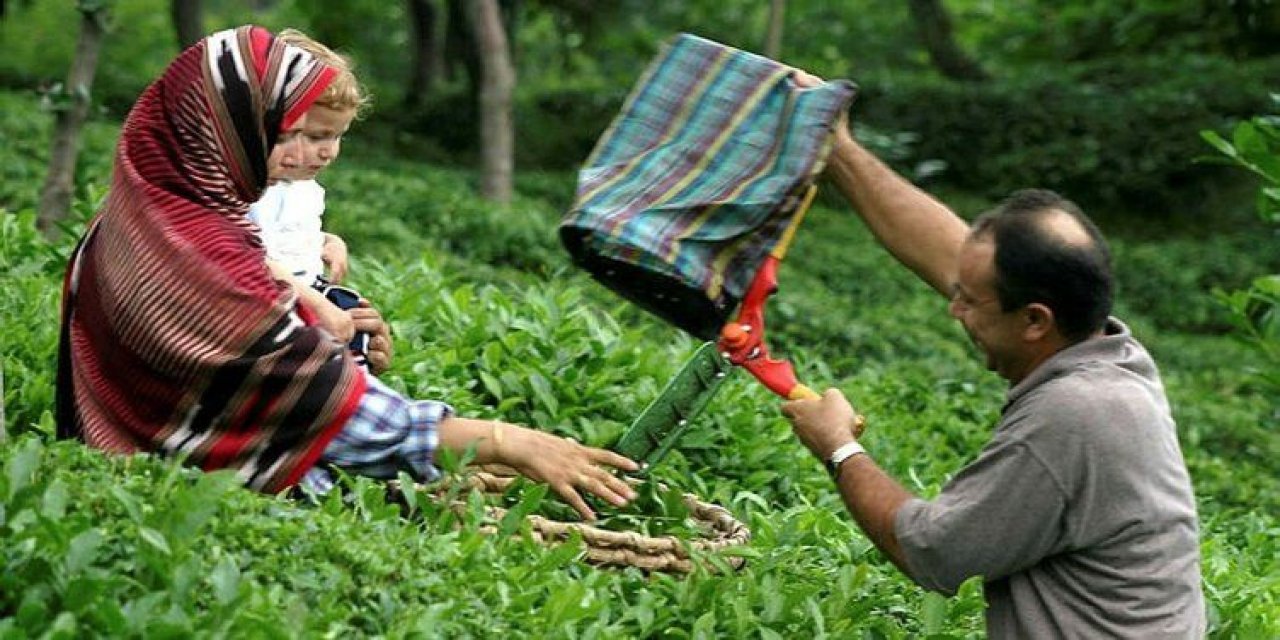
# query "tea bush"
(1255, 145)
(100, 546)
(1084, 130)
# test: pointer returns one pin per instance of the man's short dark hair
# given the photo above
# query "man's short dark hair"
(1035, 263)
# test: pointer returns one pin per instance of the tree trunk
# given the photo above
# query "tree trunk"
(934, 26)
(55, 197)
(773, 34)
(460, 45)
(498, 79)
(186, 16)
(426, 62)
(511, 12)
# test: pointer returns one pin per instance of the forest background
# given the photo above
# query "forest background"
(1158, 116)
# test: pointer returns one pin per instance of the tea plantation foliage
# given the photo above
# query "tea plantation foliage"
(487, 314)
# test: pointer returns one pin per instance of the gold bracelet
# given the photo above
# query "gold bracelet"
(497, 439)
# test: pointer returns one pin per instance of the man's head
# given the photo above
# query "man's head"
(317, 137)
(1034, 277)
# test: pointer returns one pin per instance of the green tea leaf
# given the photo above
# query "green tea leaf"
(155, 539)
(933, 612)
(225, 580)
(542, 389)
(23, 465)
(491, 384)
(82, 551)
(54, 502)
(530, 499)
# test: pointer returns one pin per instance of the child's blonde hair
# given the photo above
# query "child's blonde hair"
(345, 91)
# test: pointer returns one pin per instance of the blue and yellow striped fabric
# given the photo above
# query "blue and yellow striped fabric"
(698, 178)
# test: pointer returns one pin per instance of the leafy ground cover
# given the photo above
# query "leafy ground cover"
(488, 314)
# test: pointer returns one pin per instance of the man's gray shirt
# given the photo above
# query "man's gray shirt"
(1078, 513)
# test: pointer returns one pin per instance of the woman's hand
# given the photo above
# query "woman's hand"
(368, 320)
(565, 465)
(334, 255)
(333, 319)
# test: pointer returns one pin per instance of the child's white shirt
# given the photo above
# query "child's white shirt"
(289, 215)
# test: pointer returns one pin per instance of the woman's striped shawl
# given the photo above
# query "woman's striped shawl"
(697, 179)
(175, 338)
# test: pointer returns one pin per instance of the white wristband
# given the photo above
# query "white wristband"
(841, 454)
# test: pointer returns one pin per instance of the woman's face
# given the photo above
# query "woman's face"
(288, 157)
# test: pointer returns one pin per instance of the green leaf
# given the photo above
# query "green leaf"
(741, 551)
(155, 539)
(225, 580)
(705, 626)
(815, 615)
(408, 491)
(530, 499)
(54, 503)
(542, 389)
(63, 627)
(82, 551)
(933, 612)
(84, 594)
(1219, 143)
(491, 385)
(33, 612)
(1247, 141)
(23, 465)
(132, 505)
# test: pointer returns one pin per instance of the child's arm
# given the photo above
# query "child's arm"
(334, 255)
(335, 320)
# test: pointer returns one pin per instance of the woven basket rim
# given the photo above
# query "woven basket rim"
(610, 548)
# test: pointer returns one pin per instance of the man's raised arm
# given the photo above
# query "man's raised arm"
(918, 230)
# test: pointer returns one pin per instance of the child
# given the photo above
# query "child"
(290, 209)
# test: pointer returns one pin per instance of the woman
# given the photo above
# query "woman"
(176, 339)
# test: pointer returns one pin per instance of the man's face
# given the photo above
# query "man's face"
(975, 304)
(310, 145)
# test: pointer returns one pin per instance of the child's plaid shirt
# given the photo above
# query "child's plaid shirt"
(387, 434)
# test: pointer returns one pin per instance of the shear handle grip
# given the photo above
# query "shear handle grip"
(801, 392)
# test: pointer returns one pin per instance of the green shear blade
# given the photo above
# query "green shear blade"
(661, 424)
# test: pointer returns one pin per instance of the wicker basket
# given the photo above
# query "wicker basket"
(622, 548)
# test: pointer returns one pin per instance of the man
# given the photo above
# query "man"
(1078, 513)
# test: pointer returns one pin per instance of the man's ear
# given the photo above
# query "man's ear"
(1039, 322)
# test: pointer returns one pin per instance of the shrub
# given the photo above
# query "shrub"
(94, 545)
(1255, 145)
(1086, 130)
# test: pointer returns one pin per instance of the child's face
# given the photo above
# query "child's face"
(308, 146)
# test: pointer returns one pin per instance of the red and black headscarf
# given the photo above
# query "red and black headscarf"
(175, 337)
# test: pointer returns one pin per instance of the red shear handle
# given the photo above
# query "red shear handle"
(743, 341)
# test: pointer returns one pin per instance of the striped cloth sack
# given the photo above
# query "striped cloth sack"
(698, 178)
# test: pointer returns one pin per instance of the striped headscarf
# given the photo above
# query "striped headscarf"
(175, 337)
(698, 178)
